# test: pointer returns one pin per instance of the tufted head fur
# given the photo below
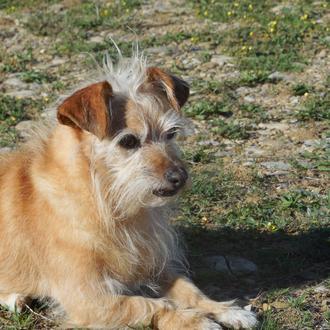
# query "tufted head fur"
(132, 117)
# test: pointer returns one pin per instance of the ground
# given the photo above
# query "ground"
(260, 153)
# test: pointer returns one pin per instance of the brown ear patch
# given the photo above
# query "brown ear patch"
(88, 109)
(177, 90)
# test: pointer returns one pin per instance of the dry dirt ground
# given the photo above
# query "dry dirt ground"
(256, 220)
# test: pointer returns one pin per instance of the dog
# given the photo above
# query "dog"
(84, 209)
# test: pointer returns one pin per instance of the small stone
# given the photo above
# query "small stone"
(221, 60)
(266, 307)
(157, 50)
(241, 266)
(276, 166)
(96, 39)
(4, 150)
(222, 153)
(208, 142)
(57, 61)
(278, 76)
(254, 151)
(21, 94)
(321, 289)
(218, 263)
(249, 99)
(275, 126)
(279, 304)
(15, 83)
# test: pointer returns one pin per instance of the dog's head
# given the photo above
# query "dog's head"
(133, 118)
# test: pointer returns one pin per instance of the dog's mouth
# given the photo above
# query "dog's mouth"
(165, 192)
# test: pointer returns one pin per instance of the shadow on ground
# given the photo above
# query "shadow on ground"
(283, 260)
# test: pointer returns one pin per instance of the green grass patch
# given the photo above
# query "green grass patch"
(316, 107)
(12, 111)
(266, 41)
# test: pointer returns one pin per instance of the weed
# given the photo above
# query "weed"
(315, 108)
(301, 89)
(204, 109)
(12, 111)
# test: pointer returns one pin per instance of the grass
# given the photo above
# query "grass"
(12, 111)
(278, 221)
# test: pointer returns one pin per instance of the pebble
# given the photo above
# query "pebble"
(249, 99)
(231, 265)
(22, 94)
(208, 142)
(282, 166)
(218, 263)
(96, 39)
(254, 151)
(241, 266)
(278, 76)
(4, 150)
(14, 82)
(221, 60)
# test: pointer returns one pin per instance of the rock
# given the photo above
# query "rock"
(275, 126)
(321, 289)
(254, 151)
(221, 60)
(157, 50)
(218, 263)
(241, 266)
(21, 94)
(208, 142)
(14, 83)
(276, 166)
(249, 99)
(96, 39)
(231, 265)
(4, 150)
(222, 153)
(266, 307)
(25, 128)
(278, 76)
(242, 91)
(57, 61)
(279, 304)
(191, 63)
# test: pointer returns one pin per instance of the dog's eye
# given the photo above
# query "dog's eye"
(129, 141)
(171, 133)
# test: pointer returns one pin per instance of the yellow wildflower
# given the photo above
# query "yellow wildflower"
(251, 33)
(229, 13)
(304, 17)
(206, 13)
(250, 7)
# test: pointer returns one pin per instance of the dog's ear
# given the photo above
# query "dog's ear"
(176, 89)
(88, 109)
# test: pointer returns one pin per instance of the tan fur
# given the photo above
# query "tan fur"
(79, 220)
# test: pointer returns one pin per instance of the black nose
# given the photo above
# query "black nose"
(177, 176)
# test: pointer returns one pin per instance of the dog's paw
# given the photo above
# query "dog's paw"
(235, 317)
(187, 319)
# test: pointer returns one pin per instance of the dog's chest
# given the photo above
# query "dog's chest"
(138, 254)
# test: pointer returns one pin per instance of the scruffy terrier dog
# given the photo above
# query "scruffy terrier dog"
(83, 215)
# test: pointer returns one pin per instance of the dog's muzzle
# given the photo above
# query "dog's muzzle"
(176, 178)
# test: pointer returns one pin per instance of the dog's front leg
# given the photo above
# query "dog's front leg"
(186, 295)
(116, 312)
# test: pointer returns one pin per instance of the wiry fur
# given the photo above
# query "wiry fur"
(84, 220)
